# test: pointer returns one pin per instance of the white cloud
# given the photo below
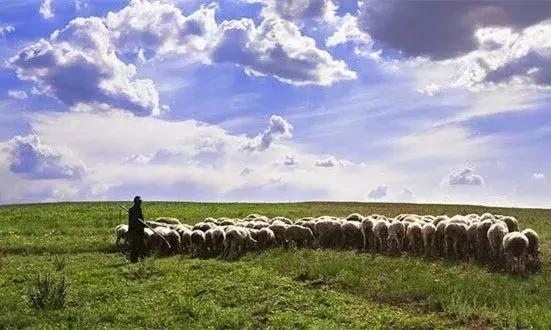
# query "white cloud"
(465, 176)
(538, 176)
(161, 28)
(406, 195)
(246, 171)
(29, 157)
(378, 192)
(347, 30)
(279, 128)
(81, 4)
(277, 48)
(46, 9)
(17, 94)
(297, 10)
(331, 161)
(79, 65)
(5, 29)
(289, 161)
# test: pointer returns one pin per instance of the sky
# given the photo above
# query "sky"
(276, 100)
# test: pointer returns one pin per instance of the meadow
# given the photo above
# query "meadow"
(271, 289)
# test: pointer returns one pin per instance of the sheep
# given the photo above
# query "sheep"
(168, 220)
(367, 229)
(278, 228)
(380, 231)
(159, 239)
(439, 238)
(311, 224)
(266, 238)
(260, 224)
(155, 224)
(198, 243)
(414, 235)
(429, 235)
(299, 236)
(396, 235)
(482, 245)
(235, 242)
(487, 216)
(214, 240)
(285, 220)
(121, 232)
(495, 241)
(511, 222)
(226, 222)
(203, 226)
(352, 235)
(148, 238)
(515, 251)
(185, 240)
(439, 219)
(534, 262)
(355, 217)
(471, 238)
(328, 233)
(174, 239)
(455, 238)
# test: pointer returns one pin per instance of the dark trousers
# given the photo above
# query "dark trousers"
(136, 241)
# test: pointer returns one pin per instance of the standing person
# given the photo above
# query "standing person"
(136, 236)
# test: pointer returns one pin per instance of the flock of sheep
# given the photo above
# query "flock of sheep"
(488, 238)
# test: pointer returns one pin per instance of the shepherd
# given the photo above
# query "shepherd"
(136, 235)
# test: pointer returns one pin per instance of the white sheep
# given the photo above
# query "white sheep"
(455, 237)
(121, 232)
(369, 238)
(214, 239)
(299, 236)
(396, 235)
(534, 261)
(380, 231)
(515, 251)
(352, 235)
(511, 222)
(355, 217)
(471, 238)
(328, 232)
(495, 241)
(414, 235)
(429, 237)
(278, 228)
(198, 243)
(168, 220)
(174, 239)
(266, 238)
(482, 245)
(237, 241)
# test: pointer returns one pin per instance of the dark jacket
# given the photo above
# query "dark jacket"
(134, 225)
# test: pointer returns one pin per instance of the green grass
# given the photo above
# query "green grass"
(272, 289)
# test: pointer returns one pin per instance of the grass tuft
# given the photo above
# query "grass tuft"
(48, 292)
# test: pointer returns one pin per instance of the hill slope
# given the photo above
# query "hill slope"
(277, 288)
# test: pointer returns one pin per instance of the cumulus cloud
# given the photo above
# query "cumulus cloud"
(466, 176)
(347, 30)
(31, 158)
(246, 171)
(17, 94)
(289, 161)
(46, 9)
(378, 193)
(160, 28)
(538, 176)
(277, 48)
(79, 65)
(443, 29)
(297, 10)
(279, 128)
(406, 195)
(331, 161)
(5, 29)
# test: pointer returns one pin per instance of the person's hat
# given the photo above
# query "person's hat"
(137, 198)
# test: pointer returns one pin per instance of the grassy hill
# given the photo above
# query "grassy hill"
(276, 288)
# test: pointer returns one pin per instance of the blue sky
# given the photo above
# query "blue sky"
(240, 100)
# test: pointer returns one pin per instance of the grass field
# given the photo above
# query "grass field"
(272, 289)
